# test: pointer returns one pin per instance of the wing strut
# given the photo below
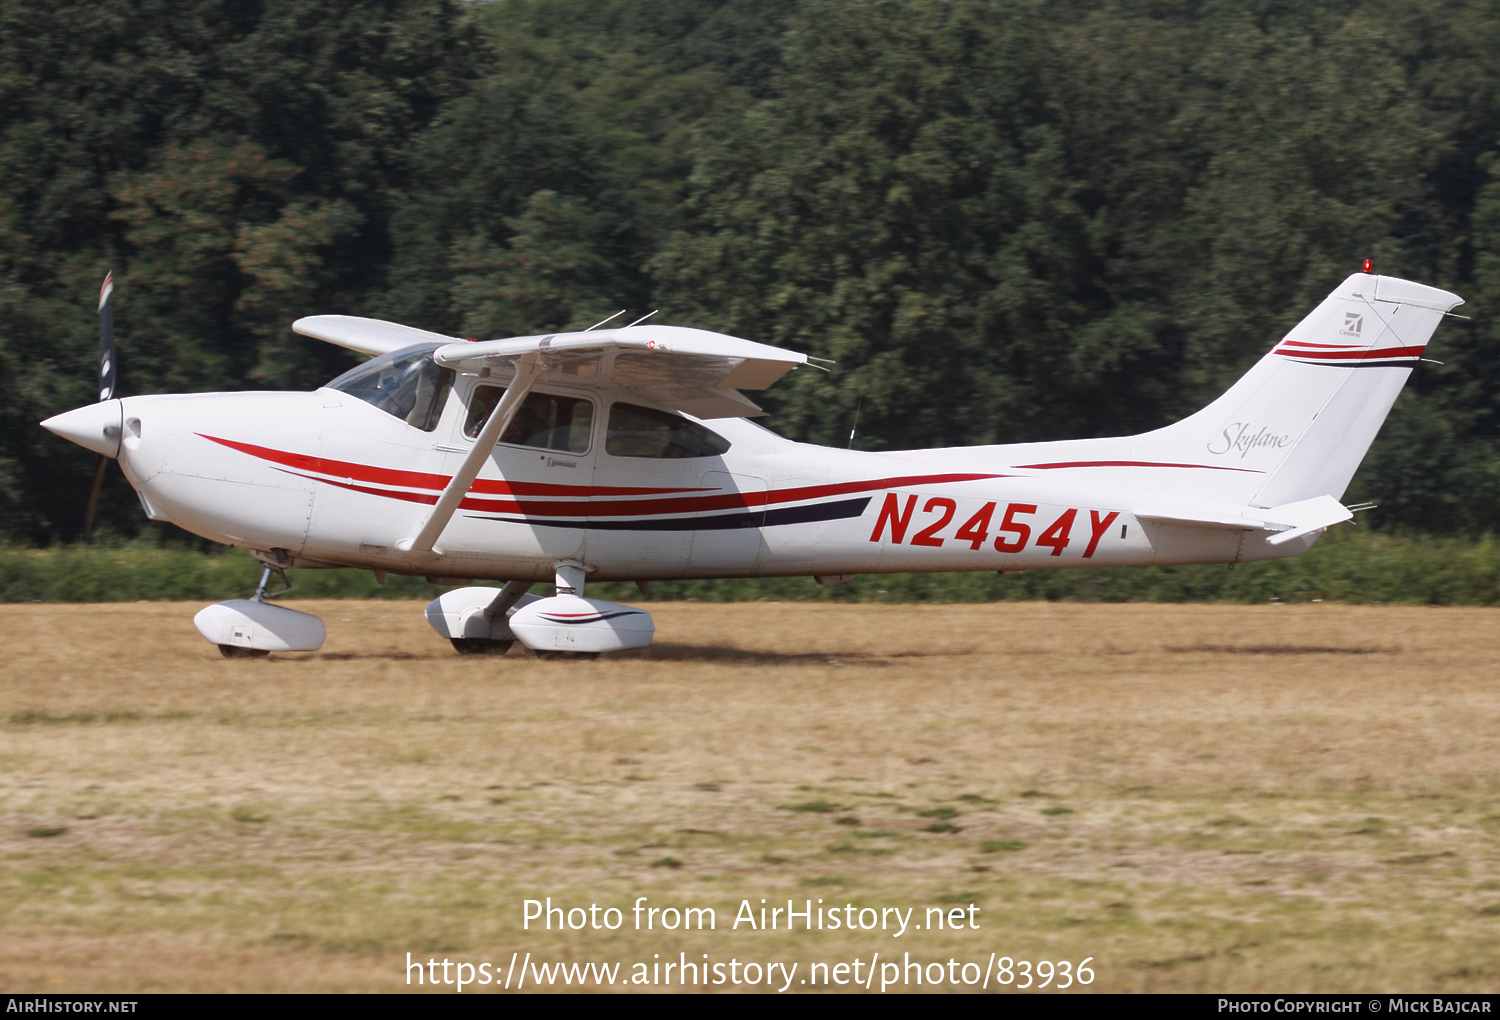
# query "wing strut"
(527, 371)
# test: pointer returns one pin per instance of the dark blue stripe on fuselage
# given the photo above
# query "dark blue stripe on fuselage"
(833, 511)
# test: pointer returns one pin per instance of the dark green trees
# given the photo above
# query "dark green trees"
(1004, 219)
(234, 163)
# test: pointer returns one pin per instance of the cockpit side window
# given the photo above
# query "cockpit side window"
(407, 384)
(636, 431)
(544, 421)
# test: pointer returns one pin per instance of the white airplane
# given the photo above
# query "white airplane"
(629, 454)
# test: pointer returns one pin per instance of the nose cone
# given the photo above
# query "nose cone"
(95, 427)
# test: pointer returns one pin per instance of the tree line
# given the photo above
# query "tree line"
(1005, 220)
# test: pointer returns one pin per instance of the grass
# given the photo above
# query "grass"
(1240, 822)
(1349, 564)
(821, 807)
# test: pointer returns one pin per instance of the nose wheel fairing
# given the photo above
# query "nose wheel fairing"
(248, 626)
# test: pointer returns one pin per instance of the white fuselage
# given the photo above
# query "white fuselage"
(627, 454)
(330, 480)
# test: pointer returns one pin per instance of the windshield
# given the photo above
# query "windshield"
(407, 384)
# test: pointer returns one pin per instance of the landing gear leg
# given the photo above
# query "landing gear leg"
(569, 579)
(261, 595)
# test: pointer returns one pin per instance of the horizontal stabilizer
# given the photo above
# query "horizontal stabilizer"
(1308, 516)
(1193, 519)
(1288, 521)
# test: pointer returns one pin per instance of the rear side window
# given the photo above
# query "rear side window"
(545, 421)
(646, 432)
(407, 384)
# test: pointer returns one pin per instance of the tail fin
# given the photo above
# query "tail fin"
(1297, 425)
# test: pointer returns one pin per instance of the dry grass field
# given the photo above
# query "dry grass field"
(1200, 798)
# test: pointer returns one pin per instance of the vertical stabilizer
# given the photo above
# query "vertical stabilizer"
(1297, 425)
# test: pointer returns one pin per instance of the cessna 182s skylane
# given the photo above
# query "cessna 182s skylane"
(627, 454)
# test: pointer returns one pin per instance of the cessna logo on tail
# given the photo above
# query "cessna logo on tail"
(1354, 323)
(1238, 436)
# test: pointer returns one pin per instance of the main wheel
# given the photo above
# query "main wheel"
(549, 655)
(236, 652)
(480, 646)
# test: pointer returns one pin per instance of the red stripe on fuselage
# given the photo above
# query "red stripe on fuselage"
(352, 474)
(633, 507)
(410, 497)
(707, 504)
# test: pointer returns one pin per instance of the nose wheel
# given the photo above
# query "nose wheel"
(236, 652)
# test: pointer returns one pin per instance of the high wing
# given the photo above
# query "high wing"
(368, 336)
(690, 370)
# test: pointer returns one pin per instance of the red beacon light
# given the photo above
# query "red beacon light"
(1369, 265)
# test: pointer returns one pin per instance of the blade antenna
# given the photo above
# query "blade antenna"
(107, 379)
(643, 318)
(603, 321)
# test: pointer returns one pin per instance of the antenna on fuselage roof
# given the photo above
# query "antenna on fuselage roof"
(857, 405)
(643, 318)
(601, 322)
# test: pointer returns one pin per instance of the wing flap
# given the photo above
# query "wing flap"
(755, 374)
